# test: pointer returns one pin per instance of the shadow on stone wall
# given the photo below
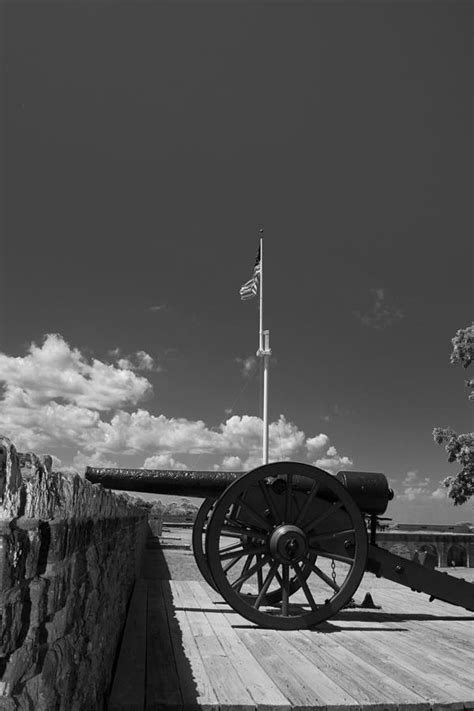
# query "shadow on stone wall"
(69, 555)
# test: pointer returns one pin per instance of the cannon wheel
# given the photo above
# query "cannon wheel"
(199, 532)
(198, 542)
(286, 518)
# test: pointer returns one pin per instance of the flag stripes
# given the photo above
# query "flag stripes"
(250, 288)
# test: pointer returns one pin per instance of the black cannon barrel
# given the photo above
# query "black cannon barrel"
(202, 484)
(369, 489)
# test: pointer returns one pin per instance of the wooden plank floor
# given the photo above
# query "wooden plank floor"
(183, 648)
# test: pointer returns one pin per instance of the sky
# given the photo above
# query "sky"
(147, 143)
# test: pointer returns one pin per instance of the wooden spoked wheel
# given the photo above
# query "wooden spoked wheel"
(198, 542)
(199, 532)
(281, 523)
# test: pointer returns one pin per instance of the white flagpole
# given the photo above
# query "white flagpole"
(265, 353)
(260, 329)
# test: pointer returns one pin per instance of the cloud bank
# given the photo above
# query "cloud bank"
(415, 487)
(55, 399)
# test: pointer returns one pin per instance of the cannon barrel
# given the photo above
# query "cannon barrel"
(369, 489)
(201, 484)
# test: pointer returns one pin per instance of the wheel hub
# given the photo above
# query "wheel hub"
(288, 544)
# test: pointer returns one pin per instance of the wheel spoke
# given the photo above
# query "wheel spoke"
(231, 564)
(233, 521)
(245, 570)
(330, 534)
(288, 497)
(236, 531)
(323, 576)
(253, 551)
(264, 524)
(296, 505)
(251, 571)
(259, 574)
(233, 546)
(307, 504)
(319, 519)
(334, 556)
(270, 503)
(266, 584)
(278, 577)
(285, 592)
(228, 555)
(305, 587)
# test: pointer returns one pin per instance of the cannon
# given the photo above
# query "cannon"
(286, 544)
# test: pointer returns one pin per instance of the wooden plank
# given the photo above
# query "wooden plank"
(322, 678)
(195, 685)
(419, 626)
(355, 674)
(228, 687)
(362, 691)
(162, 680)
(418, 603)
(293, 685)
(443, 670)
(380, 654)
(128, 687)
(405, 658)
(446, 671)
(264, 692)
(444, 635)
(292, 647)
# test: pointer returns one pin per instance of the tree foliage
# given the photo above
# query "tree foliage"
(460, 447)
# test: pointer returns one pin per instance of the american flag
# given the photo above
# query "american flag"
(250, 288)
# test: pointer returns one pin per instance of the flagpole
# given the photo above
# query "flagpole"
(265, 353)
(260, 329)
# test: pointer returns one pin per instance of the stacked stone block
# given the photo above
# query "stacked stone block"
(69, 555)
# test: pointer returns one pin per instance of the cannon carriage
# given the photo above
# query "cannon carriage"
(286, 544)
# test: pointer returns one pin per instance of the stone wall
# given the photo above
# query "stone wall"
(69, 555)
(409, 544)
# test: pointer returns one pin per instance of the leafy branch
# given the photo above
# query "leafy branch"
(460, 447)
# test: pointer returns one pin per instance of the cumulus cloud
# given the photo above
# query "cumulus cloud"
(232, 463)
(315, 444)
(333, 462)
(410, 477)
(413, 479)
(54, 371)
(36, 426)
(285, 439)
(411, 493)
(380, 313)
(137, 361)
(93, 459)
(416, 487)
(242, 436)
(55, 398)
(163, 461)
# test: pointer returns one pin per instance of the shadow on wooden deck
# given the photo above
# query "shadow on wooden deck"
(152, 670)
(177, 654)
